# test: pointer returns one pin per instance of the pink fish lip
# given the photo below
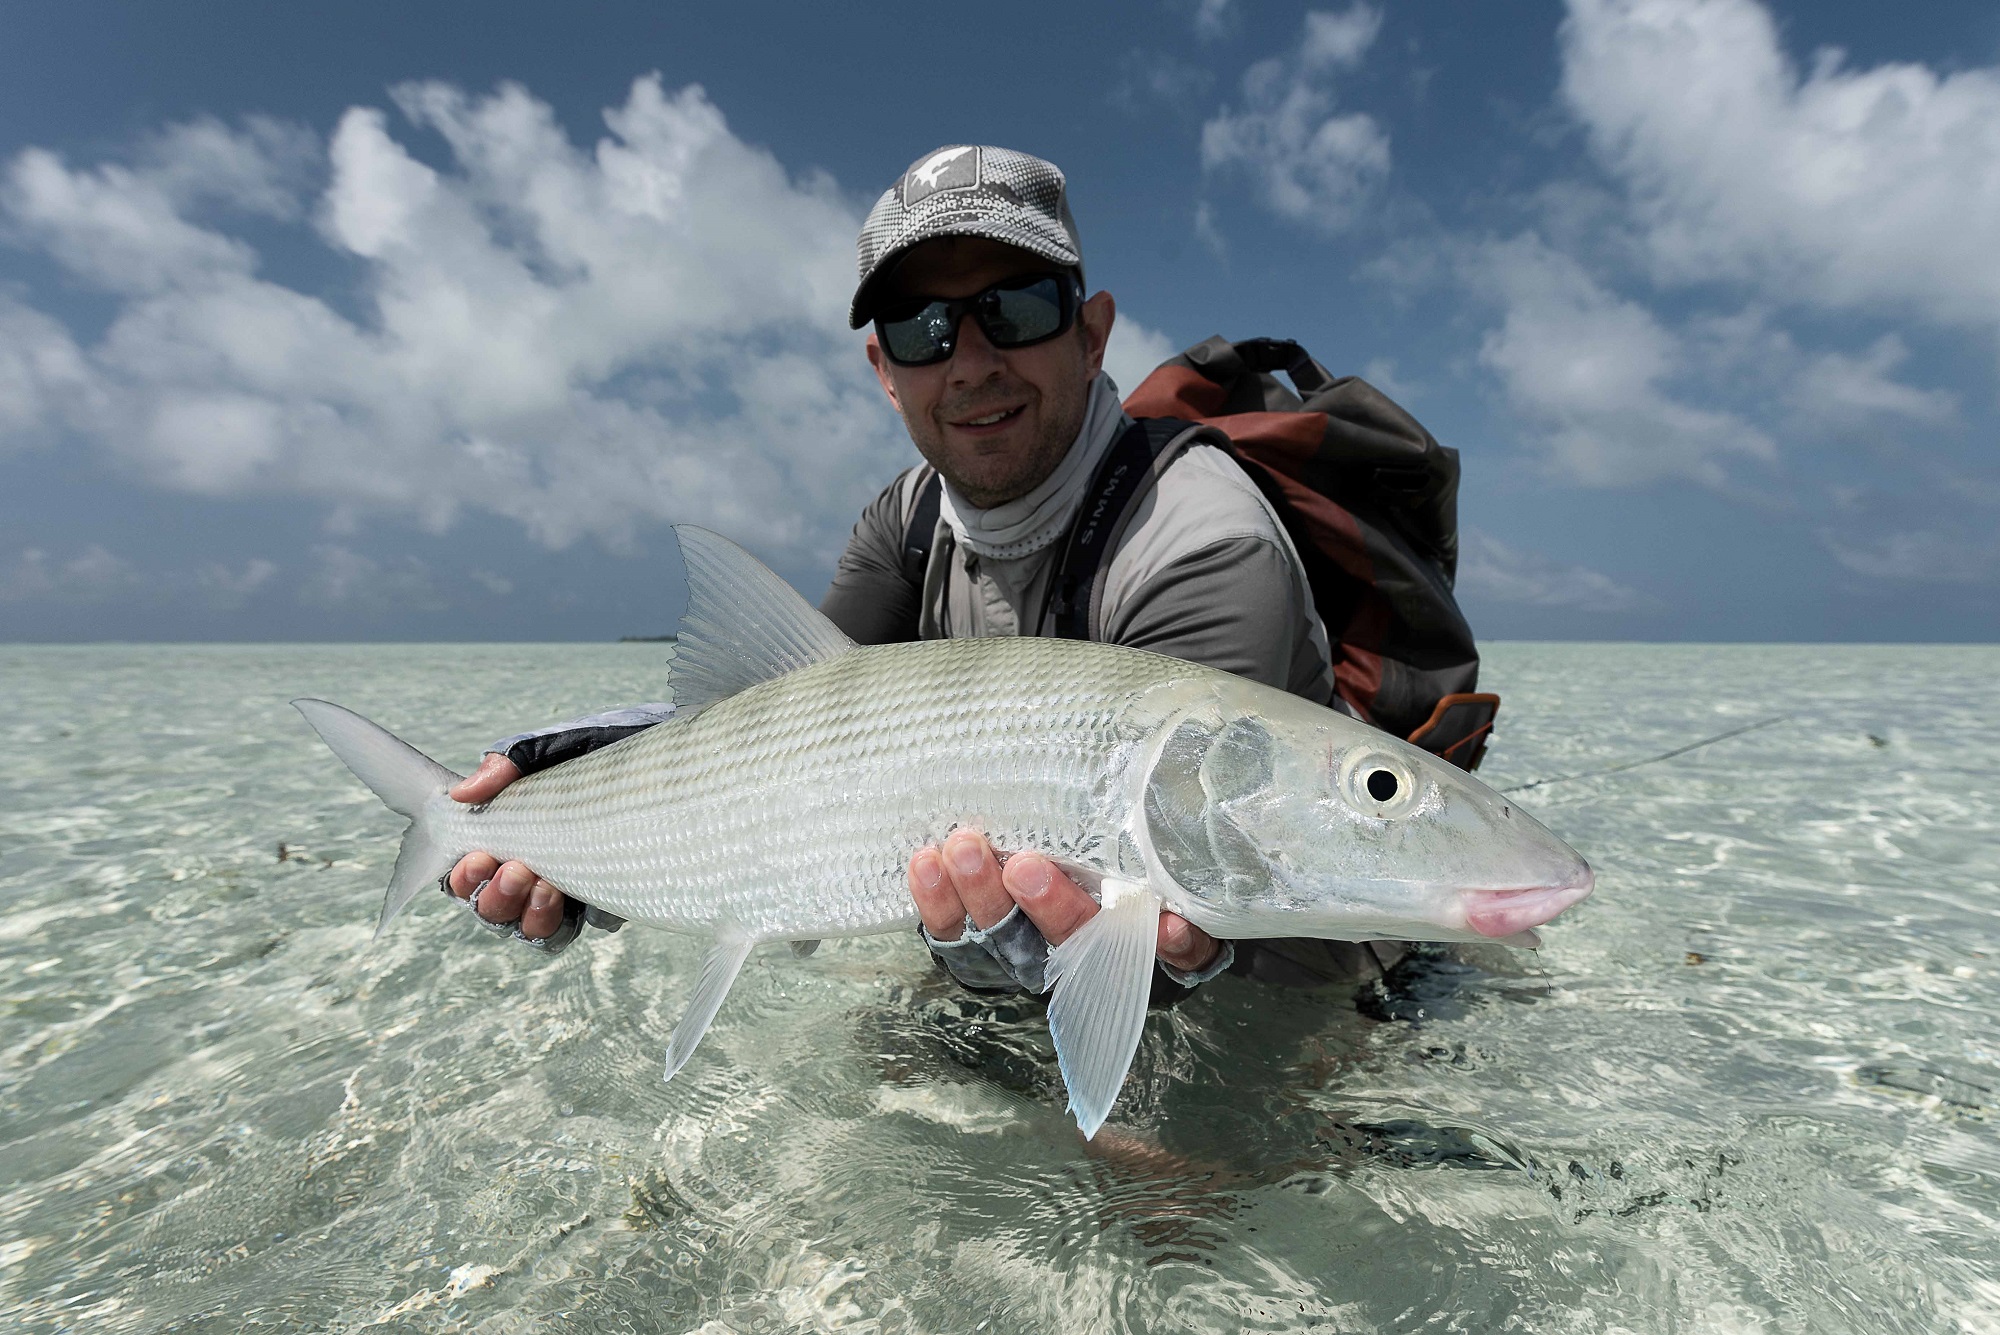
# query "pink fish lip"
(1499, 913)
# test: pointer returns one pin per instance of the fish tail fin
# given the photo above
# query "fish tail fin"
(406, 780)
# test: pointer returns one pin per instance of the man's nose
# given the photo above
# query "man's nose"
(973, 357)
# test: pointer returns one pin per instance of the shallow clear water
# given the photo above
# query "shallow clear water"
(1753, 1085)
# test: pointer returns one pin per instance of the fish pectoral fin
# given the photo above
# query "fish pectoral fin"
(804, 948)
(1089, 878)
(1103, 977)
(718, 971)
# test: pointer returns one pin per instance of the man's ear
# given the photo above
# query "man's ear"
(1095, 319)
(880, 362)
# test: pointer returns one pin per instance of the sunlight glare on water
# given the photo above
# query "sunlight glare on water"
(1754, 1085)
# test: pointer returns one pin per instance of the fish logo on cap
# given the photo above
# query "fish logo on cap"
(1014, 198)
(946, 169)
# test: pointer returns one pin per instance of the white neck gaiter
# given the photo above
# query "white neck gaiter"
(1026, 525)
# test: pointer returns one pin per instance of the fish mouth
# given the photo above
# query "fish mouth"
(1498, 913)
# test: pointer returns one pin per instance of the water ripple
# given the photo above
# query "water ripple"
(1751, 1086)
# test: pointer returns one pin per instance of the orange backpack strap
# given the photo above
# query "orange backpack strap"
(1459, 727)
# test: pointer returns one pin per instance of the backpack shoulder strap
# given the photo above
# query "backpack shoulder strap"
(1131, 466)
(921, 530)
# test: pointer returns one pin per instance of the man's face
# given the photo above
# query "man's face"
(995, 422)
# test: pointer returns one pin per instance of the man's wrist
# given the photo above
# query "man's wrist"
(546, 747)
(1225, 955)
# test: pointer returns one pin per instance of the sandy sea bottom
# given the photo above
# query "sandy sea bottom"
(1754, 1085)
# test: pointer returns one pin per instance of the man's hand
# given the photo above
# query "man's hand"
(515, 893)
(964, 879)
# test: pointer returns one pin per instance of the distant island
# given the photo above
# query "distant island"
(645, 639)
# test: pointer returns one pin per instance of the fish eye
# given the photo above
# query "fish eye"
(1377, 784)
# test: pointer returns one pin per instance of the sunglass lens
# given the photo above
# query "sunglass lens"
(919, 338)
(1014, 316)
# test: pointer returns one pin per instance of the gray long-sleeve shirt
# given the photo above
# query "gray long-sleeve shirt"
(1204, 572)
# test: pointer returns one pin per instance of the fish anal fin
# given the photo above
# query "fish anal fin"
(743, 624)
(1103, 977)
(804, 948)
(718, 970)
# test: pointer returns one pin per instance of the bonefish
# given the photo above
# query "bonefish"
(783, 799)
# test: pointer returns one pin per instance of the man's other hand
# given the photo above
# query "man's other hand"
(964, 879)
(514, 893)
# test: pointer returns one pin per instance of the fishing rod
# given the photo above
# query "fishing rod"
(1649, 760)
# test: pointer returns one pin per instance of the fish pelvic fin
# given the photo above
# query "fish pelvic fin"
(1103, 977)
(406, 780)
(718, 971)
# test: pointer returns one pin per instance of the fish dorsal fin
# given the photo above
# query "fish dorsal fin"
(743, 624)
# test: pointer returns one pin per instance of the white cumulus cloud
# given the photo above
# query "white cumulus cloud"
(347, 579)
(1825, 186)
(1491, 570)
(1860, 392)
(97, 575)
(1921, 556)
(93, 575)
(1212, 18)
(1594, 375)
(1305, 162)
(588, 340)
(1133, 353)
(1663, 328)
(41, 371)
(227, 588)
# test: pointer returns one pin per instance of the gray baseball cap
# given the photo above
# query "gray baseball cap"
(966, 190)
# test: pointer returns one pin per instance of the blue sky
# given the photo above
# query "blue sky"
(424, 322)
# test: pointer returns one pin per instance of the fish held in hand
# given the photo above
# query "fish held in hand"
(782, 800)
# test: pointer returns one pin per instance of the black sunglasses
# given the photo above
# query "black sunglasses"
(1013, 313)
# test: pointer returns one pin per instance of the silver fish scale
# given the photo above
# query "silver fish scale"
(790, 808)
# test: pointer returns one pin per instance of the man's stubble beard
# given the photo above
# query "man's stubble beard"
(1061, 420)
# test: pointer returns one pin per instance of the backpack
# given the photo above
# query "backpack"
(1368, 497)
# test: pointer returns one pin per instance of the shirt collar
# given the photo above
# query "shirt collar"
(1027, 524)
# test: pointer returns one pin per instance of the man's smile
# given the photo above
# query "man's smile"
(987, 423)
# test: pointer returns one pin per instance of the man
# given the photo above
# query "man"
(971, 272)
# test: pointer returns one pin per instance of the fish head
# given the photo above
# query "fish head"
(1273, 816)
